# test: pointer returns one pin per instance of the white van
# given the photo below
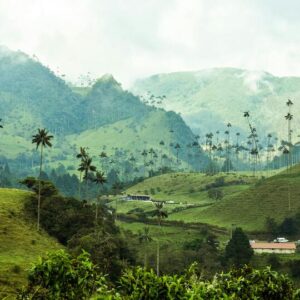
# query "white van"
(280, 240)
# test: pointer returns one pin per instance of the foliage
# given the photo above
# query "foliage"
(59, 276)
(216, 194)
(139, 284)
(109, 250)
(47, 187)
(245, 283)
(238, 251)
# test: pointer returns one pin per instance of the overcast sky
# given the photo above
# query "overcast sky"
(135, 38)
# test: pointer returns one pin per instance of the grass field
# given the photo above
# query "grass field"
(247, 201)
(188, 191)
(276, 197)
(20, 243)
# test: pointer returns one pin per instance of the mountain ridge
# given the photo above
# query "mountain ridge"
(38, 98)
(209, 98)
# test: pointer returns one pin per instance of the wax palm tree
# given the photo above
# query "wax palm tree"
(228, 145)
(226, 142)
(289, 118)
(177, 147)
(160, 214)
(269, 149)
(41, 139)
(103, 157)
(162, 144)
(144, 154)
(99, 179)
(81, 155)
(253, 136)
(151, 152)
(1, 126)
(145, 238)
(117, 187)
(86, 167)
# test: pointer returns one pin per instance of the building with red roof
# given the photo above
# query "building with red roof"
(281, 248)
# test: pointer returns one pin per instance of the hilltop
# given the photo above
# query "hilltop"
(20, 243)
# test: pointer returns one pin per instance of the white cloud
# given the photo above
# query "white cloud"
(136, 38)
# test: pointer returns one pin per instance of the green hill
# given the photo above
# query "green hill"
(20, 244)
(209, 99)
(246, 201)
(267, 198)
(186, 194)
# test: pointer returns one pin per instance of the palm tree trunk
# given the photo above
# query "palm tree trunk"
(157, 251)
(79, 186)
(39, 192)
(96, 216)
(145, 259)
(86, 186)
(157, 258)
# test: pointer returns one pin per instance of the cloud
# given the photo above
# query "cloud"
(134, 38)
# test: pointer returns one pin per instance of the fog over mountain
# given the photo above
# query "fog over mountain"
(209, 99)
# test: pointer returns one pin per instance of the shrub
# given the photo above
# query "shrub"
(244, 283)
(216, 194)
(191, 190)
(59, 276)
(16, 269)
(139, 284)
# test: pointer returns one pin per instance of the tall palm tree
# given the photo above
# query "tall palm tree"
(145, 238)
(117, 187)
(1, 126)
(269, 149)
(42, 138)
(237, 148)
(82, 155)
(160, 214)
(289, 118)
(161, 143)
(86, 167)
(151, 152)
(228, 146)
(99, 179)
(177, 147)
(144, 154)
(103, 158)
(254, 151)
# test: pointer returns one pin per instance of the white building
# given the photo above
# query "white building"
(281, 248)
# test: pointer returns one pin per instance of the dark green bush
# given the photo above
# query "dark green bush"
(59, 276)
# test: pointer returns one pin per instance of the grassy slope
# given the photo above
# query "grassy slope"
(128, 134)
(250, 208)
(20, 244)
(184, 189)
(245, 205)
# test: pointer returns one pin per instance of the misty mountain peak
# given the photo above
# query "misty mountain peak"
(107, 80)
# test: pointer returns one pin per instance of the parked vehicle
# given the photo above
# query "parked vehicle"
(280, 240)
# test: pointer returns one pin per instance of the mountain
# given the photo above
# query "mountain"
(32, 96)
(30, 93)
(209, 99)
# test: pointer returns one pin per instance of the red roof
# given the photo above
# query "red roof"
(264, 245)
